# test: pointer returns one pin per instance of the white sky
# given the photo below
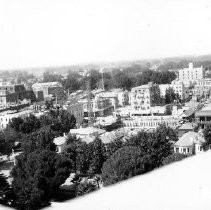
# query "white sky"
(62, 32)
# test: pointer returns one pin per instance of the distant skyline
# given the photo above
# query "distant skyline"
(41, 33)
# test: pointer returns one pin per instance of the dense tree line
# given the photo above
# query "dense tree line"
(125, 78)
(40, 171)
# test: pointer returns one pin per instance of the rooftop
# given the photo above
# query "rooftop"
(87, 131)
(186, 126)
(189, 138)
(205, 111)
(60, 140)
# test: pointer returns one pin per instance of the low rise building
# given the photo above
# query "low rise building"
(60, 143)
(150, 122)
(203, 115)
(5, 117)
(189, 143)
(185, 128)
(87, 134)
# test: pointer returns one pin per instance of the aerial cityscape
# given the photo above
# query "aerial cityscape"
(65, 134)
(96, 93)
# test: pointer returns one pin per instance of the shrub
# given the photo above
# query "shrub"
(173, 158)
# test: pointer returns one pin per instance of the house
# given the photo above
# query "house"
(185, 128)
(87, 134)
(203, 116)
(60, 143)
(190, 143)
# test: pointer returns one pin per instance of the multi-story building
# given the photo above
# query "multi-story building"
(49, 89)
(100, 106)
(180, 89)
(122, 96)
(76, 109)
(177, 86)
(191, 73)
(202, 87)
(11, 95)
(142, 97)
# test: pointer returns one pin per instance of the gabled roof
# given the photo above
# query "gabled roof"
(60, 140)
(189, 112)
(186, 126)
(188, 139)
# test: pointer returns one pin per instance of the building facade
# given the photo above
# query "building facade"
(12, 95)
(189, 143)
(142, 97)
(150, 122)
(191, 73)
(5, 117)
(76, 109)
(49, 89)
(177, 86)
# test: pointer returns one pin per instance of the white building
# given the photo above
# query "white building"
(202, 87)
(5, 117)
(141, 97)
(45, 86)
(150, 122)
(191, 73)
(189, 143)
(87, 134)
(122, 96)
(177, 86)
(60, 143)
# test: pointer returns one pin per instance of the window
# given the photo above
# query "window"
(177, 150)
(184, 150)
(188, 150)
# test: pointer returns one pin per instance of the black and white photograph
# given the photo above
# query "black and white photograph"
(105, 104)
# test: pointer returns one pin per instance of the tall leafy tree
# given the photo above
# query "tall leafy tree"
(37, 176)
(113, 146)
(98, 156)
(207, 137)
(39, 140)
(171, 96)
(5, 191)
(126, 162)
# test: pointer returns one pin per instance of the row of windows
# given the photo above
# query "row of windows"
(183, 150)
(145, 124)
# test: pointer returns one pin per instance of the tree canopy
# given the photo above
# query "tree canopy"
(37, 176)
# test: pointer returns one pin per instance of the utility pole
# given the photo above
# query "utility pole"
(89, 105)
(101, 70)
